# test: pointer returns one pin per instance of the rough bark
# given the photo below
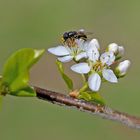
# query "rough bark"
(95, 109)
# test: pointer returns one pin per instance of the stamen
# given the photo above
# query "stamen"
(98, 66)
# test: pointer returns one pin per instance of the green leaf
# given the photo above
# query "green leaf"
(16, 69)
(92, 97)
(25, 92)
(67, 80)
(85, 95)
(96, 97)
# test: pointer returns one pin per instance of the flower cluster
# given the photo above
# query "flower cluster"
(96, 67)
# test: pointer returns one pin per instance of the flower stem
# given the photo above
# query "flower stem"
(85, 87)
(84, 78)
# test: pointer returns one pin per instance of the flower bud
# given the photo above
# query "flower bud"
(121, 50)
(122, 68)
(113, 47)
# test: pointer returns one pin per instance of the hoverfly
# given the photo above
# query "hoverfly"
(70, 37)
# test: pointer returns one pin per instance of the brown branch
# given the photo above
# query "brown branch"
(102, 111)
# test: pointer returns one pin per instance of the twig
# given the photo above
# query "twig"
(95, 109)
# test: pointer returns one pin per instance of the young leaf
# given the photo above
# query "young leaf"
(16, 69)
(92, 97)
(25, 92)
(96, 97)
(84, 95)
(67, 80)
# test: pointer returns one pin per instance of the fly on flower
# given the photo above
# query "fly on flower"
(70, 37)
(73, 47)
(94, 66)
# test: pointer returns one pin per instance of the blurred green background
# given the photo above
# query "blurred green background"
(39, 24)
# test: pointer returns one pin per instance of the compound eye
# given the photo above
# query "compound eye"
(65, 36)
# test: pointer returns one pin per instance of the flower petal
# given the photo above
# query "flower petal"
(94, 43)
(107, 58)
(65, 58)
(94, 81)
(82, 44)
(81, 68)
(92, 51)
(79, 42)
(59, 51)
(81, 55)
(109, 75)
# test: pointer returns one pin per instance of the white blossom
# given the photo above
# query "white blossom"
(116, 49)
(66, 54)
(107, 58)
(77, 52)
(96, 66)
(88, 47)
(113, 47)
(123, 67)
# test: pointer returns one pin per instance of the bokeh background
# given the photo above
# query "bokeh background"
(39, 24)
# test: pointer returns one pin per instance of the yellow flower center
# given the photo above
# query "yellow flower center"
(98, 66)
